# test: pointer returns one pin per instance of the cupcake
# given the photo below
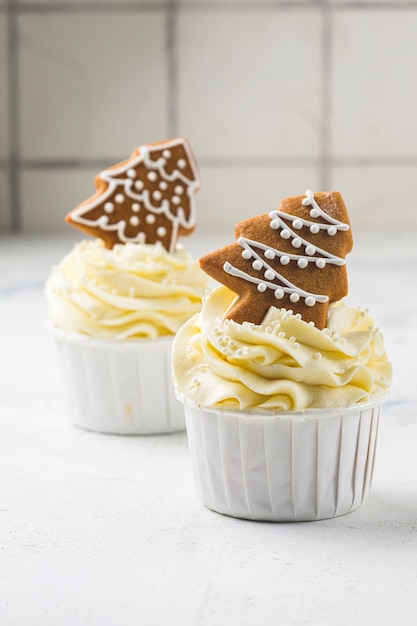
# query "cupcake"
(116, 301)
(281, 381)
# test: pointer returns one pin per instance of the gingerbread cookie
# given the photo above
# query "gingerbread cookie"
(145, 199)
(293, 258)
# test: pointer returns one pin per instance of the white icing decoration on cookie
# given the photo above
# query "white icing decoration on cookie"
(281, 285)
(136, 191)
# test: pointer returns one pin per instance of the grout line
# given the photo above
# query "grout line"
(172, 69)
(234, 162)
(326, 61)
(207, 6)
(92, 7)
(13, 115)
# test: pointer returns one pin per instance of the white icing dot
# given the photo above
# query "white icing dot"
(182, 164)
(131, 173)
(305, 201)
(176, 199)
(284, 260)
(163, 185)
(320, 263)
(294, 297)
(302, 263)
(157, 195)
(274, 224)
(314, 213)
(161, 231)
(269, 274)
(332, 231)
(109, 207)
(314, 229)
(296, 243)
(310, 250)
(120, 198)
(150, 219)
(166, 154)
(103, 220)
(134, 220)
(139, 184)
(246, 254)
(285, 234)
(269, 254)
(262, 287)
(135, 207)
(152, 176)
(279, 293)
(297, 224)
(257, 265)
(310, 301)
(179, 190)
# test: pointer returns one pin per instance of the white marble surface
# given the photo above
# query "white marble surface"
(104, 530)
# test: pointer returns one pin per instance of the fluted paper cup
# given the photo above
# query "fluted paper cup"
(290, 466)
(120, 387)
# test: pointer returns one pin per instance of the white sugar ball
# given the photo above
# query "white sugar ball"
(269, 254)
(294, 297)
(310, 301)
(262, 287)
(269, 274)
(302, 263)
(297, 224)
(310, 250)
(285, 234)
(279, 293)
(284, 260)
(296, 243)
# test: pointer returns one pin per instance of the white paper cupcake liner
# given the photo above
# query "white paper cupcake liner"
(294, 466)
(120, 387)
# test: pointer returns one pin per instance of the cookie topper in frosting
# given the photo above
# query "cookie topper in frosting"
(293, 258)
(145, 199)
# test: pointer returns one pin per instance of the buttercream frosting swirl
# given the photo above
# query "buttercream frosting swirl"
(131, 291)
(283, 363)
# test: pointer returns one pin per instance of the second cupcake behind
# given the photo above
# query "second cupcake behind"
(116, 302)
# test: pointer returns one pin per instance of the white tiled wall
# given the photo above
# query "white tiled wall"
(274, 96)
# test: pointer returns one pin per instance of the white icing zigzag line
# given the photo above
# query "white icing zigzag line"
(309, 200)
(108, 176)
(330, 258)
(278, 289)
(260, 264)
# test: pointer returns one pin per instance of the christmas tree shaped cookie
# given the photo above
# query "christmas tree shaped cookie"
(293, 258)
(145, 199)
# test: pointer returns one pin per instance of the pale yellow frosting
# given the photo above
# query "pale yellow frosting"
(131, 291)
(282, 364)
